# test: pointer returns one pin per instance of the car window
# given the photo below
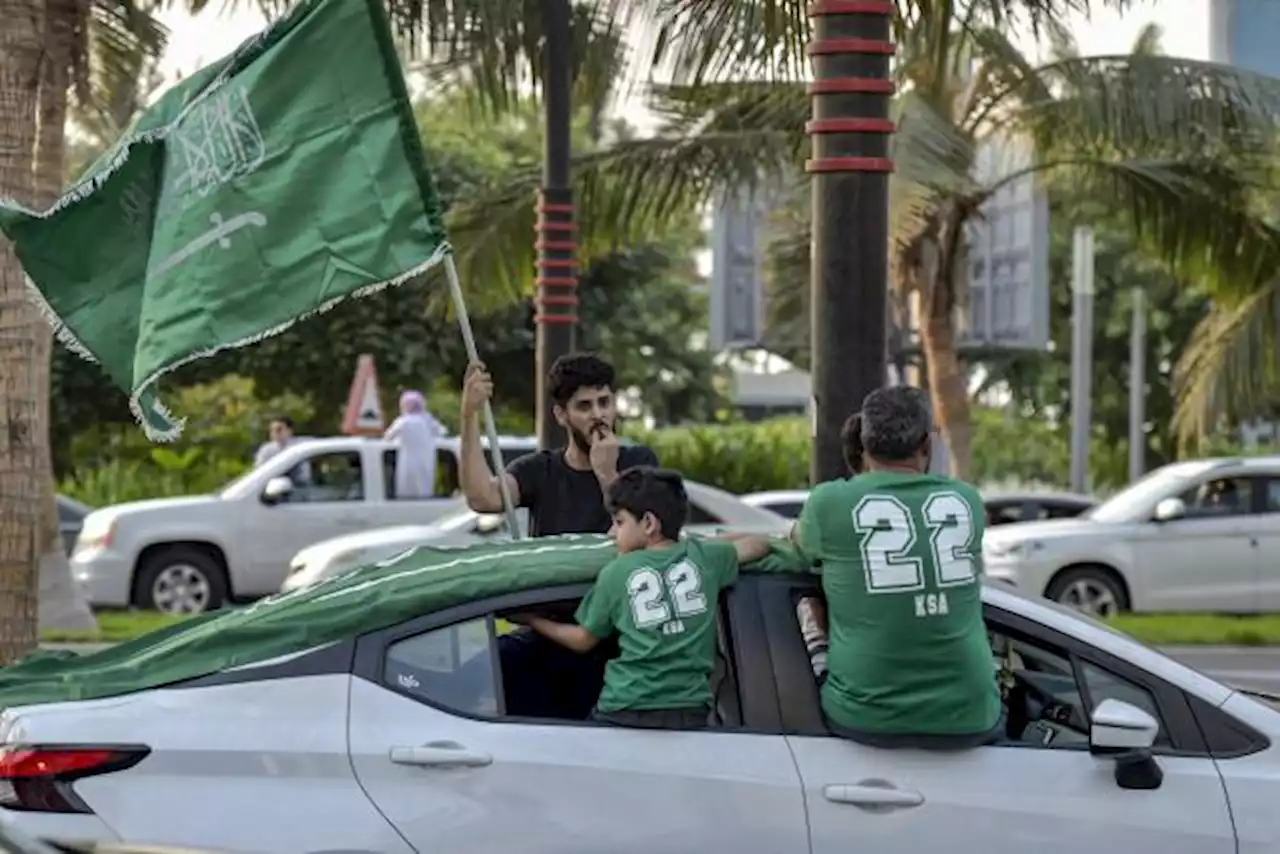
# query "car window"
(446, 474)
(486, 667)
(1222, 496)
(1047, 705)
(1273, 495)
(789, 509)
(449, 667)
(1060, 510)
(699, 516)
(1002, 513)
(325, 478)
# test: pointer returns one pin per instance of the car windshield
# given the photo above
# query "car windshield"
(1137, 500)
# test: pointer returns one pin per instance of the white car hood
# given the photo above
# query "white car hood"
(1049, 529)
(399, 534)
(157, 506)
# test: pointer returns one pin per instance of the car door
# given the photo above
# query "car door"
(1207, 560)
(1268, 552)
(1041, 792)
(327, 500)
(432, 748)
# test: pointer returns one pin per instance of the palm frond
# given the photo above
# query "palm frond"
(1229, 365)
(124, 42)
(635, 188)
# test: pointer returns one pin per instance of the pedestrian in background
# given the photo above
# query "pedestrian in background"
(416, 433)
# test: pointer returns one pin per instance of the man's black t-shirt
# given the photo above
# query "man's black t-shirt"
(564, 500)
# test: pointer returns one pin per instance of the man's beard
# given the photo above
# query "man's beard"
(581, 440)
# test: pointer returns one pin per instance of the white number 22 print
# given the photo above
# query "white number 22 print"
(649, 593)
(889, 533)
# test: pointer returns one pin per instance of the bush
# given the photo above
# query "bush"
(226, 423)
(737, 457)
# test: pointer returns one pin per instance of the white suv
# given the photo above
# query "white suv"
(191, 554)
(1201, 535)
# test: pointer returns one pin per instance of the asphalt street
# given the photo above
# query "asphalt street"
(1256, 668)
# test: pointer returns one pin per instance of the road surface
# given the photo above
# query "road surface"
(1256, 668)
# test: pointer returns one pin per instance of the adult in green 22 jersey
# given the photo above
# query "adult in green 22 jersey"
(901, 561)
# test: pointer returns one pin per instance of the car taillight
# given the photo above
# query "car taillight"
(38, 778)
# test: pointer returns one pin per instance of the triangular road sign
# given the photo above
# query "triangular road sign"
(364, 408)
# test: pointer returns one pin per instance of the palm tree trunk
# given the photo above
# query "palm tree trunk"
(62, 605)
(948, 382)
(21, 49)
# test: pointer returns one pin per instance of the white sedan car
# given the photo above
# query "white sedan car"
(370, 715)
(709, 508)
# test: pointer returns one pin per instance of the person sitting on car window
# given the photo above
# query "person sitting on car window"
(899, 551)
(563, 491)
(811, 611)
(660, 595)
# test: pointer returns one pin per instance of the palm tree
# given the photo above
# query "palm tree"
(20, 54)
(1176, 144)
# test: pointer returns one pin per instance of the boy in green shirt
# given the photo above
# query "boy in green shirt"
(660, 595)
(900, 555)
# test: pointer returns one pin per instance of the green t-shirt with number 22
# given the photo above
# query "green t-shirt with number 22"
(901, 562)
(662, 602)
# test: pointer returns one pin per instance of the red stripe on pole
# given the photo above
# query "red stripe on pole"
(551, 319)
(550, 299)
(827, 47)
(850, 7)
(849, 164)
(556, 245)
(851, 85)
(554, 225)
(555, 282)
(849, 126)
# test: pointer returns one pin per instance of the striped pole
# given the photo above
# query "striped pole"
(850, 166)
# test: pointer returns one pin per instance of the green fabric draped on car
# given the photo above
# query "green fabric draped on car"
(419, 581)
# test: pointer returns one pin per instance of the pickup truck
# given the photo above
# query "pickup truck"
(191, 554)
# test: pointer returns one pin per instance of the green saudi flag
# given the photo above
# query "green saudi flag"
(271, 185)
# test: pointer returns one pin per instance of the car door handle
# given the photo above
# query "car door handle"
(440, 754)
(874, 795)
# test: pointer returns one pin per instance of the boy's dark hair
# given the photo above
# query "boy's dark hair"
(896, 423)
(851, 443)
(285, 420)
(574, 371)
(645, 489)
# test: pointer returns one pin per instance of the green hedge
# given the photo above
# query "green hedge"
(228, 422)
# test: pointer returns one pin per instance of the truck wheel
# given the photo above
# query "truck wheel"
(180, 580)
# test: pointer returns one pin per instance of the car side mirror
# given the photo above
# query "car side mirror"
(1169, 509)
(277, 489)
(1125, 733)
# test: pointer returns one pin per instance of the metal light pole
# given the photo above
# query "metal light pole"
(850, 166)
(1081, 357)
(557, 277)
(1138, 386)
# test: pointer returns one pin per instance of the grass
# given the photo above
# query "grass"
(1201, 629)
(115, 627)
(1155, 629)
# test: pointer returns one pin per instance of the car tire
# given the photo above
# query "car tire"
(1093, 590)
(180, 580)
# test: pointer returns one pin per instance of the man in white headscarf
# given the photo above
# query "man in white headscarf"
(416, 432)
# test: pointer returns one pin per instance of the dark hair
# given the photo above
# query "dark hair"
(285, 420)
(645, 489)
(896, 422)
(575, 371)
(851, 442)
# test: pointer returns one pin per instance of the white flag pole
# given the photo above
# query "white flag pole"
(490, 426)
